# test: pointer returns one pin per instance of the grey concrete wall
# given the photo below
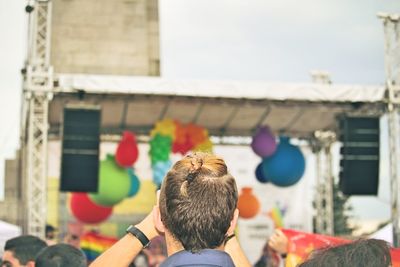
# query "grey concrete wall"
(116, 37)
(10, 208)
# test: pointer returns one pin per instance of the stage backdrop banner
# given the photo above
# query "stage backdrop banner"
(289, 207)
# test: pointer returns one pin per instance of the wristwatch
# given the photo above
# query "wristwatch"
(139, 235)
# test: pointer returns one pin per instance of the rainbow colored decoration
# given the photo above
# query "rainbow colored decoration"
(94, 244)
(172, 136)
(276, 216)
(302, 244)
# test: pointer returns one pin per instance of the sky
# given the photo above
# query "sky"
(268, 40)
(280, 40)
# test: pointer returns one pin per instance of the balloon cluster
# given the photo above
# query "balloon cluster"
(282, 164)
(117, 180)
(172, 136)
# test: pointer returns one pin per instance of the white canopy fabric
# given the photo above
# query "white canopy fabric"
(225, 108)
(112, 84)
(7, 231)
(385, 233)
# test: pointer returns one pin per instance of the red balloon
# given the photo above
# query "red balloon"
(127, 150)
(248, 204)
(86, 211)
(182, 148)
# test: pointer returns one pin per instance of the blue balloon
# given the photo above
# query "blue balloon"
(135, 183)
(286, 166)
(260, 174)
(160, 169)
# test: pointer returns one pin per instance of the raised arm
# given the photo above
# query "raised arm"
(233, 248)
(122, 253)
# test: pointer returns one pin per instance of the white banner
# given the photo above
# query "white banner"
(294, 202)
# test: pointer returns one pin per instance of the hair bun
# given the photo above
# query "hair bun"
(196, 164)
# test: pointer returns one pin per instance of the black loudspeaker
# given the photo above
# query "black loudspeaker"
(80, 149)
(359, 163)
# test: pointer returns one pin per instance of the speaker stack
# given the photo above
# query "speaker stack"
(80, 149)
(359, 163)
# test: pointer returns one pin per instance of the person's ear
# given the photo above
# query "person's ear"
(30, 264)
(157, 220)
(231, 229)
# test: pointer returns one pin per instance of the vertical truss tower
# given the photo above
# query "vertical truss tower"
(38, 85)
(391, 24)
(321, 145)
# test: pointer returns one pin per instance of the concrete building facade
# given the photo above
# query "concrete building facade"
(118, 37)
(12, 207)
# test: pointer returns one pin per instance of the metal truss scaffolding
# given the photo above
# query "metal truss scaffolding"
(324, 195)
(37, 92)
(391, 24)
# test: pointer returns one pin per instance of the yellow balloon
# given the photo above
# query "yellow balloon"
(205, 146)
(165, 127)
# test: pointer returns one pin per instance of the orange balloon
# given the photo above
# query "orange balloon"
(196, 133)
(181, 134)
(248, 204)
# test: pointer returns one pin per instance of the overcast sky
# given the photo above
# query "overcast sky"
(280, 40)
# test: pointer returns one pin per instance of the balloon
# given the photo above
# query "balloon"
(114, 184)
(182, 143)
(205, 146)
(86, 211)
(165, 127)
(196, 133)
(182, 148)
(127, 150)
(248, 204)
(160, 169)
(286, 166)
(169, 135)
(181, 134)
(160, 147)
(263, 143)
(135, 183)
(158, 176)
(260, 174)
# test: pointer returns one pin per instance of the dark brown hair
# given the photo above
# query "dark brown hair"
(360, 253)
(25, 248)
(60, 255)
(198, 199)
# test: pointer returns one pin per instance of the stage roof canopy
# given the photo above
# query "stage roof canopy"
(228, 108)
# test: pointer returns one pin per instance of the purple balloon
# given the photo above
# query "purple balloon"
(264, 143)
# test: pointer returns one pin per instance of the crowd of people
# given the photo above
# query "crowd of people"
(196, 213)
(31, 251)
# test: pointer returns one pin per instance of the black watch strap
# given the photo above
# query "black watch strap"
(139, 235)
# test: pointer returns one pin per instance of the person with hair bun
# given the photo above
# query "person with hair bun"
(196, 211)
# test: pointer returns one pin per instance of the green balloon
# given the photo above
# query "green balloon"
(114, 184)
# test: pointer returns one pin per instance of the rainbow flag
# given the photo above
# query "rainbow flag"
(94, 244)
(302, 244)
